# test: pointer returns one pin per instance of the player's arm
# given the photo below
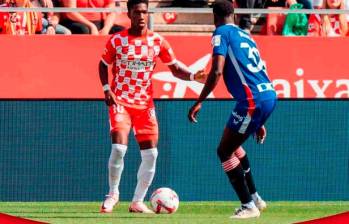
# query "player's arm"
(109, 96)
(177, 68)
(103, 73)
(108, 57)
(211, 82)
(181, 71)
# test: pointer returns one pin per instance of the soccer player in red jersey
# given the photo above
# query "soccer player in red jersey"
(133, 53)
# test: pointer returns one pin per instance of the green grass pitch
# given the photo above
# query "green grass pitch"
(188, 212)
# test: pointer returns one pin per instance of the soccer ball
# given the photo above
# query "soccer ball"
(164, 200)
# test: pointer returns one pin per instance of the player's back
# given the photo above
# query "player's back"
(244, 72)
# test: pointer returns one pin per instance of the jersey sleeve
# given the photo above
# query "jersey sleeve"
(109, 53)
(219, 43)
(166, 53)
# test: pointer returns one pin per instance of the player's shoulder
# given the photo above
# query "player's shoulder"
(122, 33)
(225, 29)
(116, 38)
(155, 35)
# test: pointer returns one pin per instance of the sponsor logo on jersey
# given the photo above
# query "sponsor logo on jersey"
(216, 40)
(138, 65)
(237, 118)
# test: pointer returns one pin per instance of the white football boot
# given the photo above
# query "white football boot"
(108, 204)
(260, 204)
(246, 213)
(139, 207)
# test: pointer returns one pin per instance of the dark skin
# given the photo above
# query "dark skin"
(138, 16)
(231, 140)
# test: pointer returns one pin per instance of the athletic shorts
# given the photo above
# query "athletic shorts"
(247, 120)
(143, 121)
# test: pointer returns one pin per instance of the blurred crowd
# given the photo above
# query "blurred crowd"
(295, 24)
(298, 24)
(21, 23)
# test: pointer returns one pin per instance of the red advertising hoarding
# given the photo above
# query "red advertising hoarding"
(67, 66)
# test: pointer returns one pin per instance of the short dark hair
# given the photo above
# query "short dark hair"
(223, 8)
(131, 3)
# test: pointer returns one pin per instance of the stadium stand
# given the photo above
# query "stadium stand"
(179, 23)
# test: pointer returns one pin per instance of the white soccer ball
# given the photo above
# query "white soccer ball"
(164, 200)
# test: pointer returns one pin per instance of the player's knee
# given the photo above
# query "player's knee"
(117, 154)
(223, 154)
(240, 152)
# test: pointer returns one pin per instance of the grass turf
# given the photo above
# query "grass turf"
(188, 212)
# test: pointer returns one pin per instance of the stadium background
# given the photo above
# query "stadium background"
(54, 126)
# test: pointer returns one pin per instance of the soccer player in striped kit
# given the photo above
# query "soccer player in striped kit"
(237, 59)
(133, 53)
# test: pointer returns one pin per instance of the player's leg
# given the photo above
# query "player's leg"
(245, 163)
(146, 132)
(232, 140)
(120, 125)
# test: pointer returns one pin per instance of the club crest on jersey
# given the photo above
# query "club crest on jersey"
(216, 40)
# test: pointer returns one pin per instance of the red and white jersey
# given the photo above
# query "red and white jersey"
(314, 26)
(20, 23)
(134, 59)
(335, 25)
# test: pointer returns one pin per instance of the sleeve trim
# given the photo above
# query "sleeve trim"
(104, 62)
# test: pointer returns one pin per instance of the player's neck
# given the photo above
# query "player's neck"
(137, 32)
(225, 21)
(228, 20)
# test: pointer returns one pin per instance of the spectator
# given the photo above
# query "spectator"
(190, 3)
(329, 25)
(91, 22)
(334, 24)
(307, 4)
(50, 20)
(20, 23)
(295, 24)
(318, 4)
(247, 20)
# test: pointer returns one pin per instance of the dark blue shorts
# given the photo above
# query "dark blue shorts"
(243, 123)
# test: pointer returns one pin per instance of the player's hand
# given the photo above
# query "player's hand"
(200, 76)
(194, 110)
(261, 134)
(109, 97)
